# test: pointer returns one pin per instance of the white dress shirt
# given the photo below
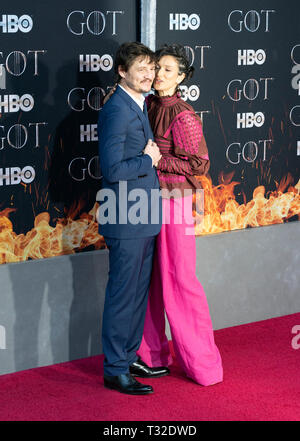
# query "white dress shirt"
(140, 102)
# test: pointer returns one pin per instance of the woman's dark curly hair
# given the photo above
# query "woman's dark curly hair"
(177, 51)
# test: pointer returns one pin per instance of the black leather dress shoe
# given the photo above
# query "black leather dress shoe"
(140, 369)
(126, 384)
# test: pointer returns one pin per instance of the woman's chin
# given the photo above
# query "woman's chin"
(160, 90)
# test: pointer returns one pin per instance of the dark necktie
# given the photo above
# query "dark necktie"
(145, 109)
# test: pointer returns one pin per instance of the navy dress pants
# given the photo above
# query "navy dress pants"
(130, 267)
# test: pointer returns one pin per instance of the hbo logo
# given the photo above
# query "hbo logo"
(191, 93)
(248, 57)
(14, 175)
(93, 63)
(248, 120)
(182, 22)
(11, 23)
(14, 103)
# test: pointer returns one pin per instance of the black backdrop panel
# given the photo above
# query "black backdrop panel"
(246, 54)
(57, 63)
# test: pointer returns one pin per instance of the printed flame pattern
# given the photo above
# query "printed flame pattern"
(221, 213)
(67, 237)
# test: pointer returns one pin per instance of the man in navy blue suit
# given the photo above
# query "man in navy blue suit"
(128, 156)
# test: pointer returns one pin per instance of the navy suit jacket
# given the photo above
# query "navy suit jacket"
(123, 132)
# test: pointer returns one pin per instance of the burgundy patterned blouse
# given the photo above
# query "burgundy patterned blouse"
(178, 133)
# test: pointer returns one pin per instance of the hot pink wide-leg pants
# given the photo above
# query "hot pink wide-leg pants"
(175, 289)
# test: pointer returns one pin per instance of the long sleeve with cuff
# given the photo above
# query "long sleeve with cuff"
(179, 135)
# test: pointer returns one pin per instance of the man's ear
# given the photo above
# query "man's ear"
(121, 71)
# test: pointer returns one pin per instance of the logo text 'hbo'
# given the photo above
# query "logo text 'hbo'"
(14, 103)
(182, 22)
(249, 119)
(12, 23)
(248, 57)
(191, 93)
(14, 175)
(88, 132)
(93, 62)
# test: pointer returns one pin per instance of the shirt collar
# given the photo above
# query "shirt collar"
(140, 102)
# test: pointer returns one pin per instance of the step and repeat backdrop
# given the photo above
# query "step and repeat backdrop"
(246, 89)
(56, 65)
(56, 62)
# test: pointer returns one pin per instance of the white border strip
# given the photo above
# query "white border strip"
(148, 23)
(2, 77)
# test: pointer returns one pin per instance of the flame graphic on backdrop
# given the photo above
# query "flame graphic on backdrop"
(221, 213)
(67, 237)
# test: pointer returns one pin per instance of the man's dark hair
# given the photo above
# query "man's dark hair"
(128, 53)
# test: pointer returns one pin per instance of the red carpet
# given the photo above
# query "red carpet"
(261, 382)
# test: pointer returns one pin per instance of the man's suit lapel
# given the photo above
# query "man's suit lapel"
(150, 134)
(142, 117)
(134, 106)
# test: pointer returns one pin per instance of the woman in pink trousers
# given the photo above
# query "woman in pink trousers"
(175, 288)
